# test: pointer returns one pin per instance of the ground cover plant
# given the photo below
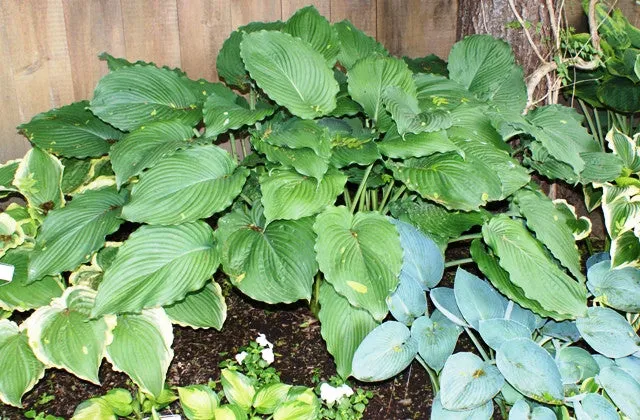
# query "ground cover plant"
(350, 173)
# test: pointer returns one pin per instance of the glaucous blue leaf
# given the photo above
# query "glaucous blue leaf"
(631, 365)
(445, 300)
(437, 337)
(608, 332)
(602, 361)
(618, 288)
(522, 411)
(622, 389)
(596, 258)
(595, 406)
(519, 314)
(496, 331)
(576, 364)
(477, 299)
(408, 301)
(438, 412)
(565, 330)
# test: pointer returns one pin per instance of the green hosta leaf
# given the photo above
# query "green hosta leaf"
(355, 44)
(520, 255)
(71, 131)
(141, 348)
(620, 93)
(198, 401)
(542, 162)
(531, 370)
(135, 96)
(76, 173)
(308, 25)
(158, 265)
(431, 64)
(7, 173)
(438, 412)
(70, 235)
(205, 308)
(191, 184)
(576, 365)
(625, 250)
(404, 110)
(39, 178)
(466, 382)
(343, 327)
(238, 388)
(410, 145)
(291, 72)
(351, 259)
(600, 167)
(350, 142)
(476, 299)
(437, 337)
(268, 398)
(608, 332)
(384, 352)
(511, 96)
(272, 263)
(626, 148)
(497, 331)
(288, 195)
(146, 146)
(618, 288)
(622, 389)
(20, 370)
(439, 93)
(422, 260)
(63, 336)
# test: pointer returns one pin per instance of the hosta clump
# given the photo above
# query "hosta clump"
(132, 206)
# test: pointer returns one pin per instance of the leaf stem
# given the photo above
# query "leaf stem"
(476, 342)
(347, 197)
(385, 196)
(433, 376)
(458, 262)
(466, 237)
(252, 99)
(395, 196)
(232, 142)
(361, 188)
(314, 305)
(244, 147)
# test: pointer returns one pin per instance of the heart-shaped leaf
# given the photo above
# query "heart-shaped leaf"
(308, 25)
(575, 365)
(496, 331)
(618, 288)
(410, 145)
(445, 300)
(407, 302)
(355, 44)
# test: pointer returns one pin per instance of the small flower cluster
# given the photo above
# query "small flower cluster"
(332, 394)
(266, 353)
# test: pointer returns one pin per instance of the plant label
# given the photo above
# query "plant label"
(6, 272)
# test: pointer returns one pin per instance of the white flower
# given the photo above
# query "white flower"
(240, 357)
(267, 355)
(331, 394)
(346, 390)
(262, 340)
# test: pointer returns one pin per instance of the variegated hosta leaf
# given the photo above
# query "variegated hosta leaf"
(437, 337)
(39, 179)
(343, 327)
(476, 299)
(11, 233)
(608, 332)
(20, 370)
(349, 254)
(7, 173)
(94, 408)
(70, 235)
(205, 308)
(291, 72)
(141, 348)
(308, 25)
(520, 255)
(23, 219)
(76, 173)
(157, 265)
(621, 208)
(410, 145)
(269, 397)
(63, 336)
(145, 146)
(198, 401)
(238, 388)
(625, 250)
(302, 404)
(288, 195)
(355, 44)
(71, 131)
(580, 226)
(626, 148)
(188, 185)
(272, 263)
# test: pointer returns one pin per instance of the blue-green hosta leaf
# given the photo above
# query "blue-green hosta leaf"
(384, 353)
(63, 336)
(71, 131)
(349, 254)
(272, 263)
(135, 96)
(631, 365)
(141, 348)
(71, 234)
(530, 370)
(595, 406)
(188, 185)
(408, 301)
(438, 412)
(626, 148)
(288, 195)
(476, 299)
(622, 389)
(444, 299)
(466, 382)
(497, 331)
(290, 72)
(576, 365)
(20, 370)
(158, 265)
(410, 145)
(355, 44)
(565, 330)
(205, 308)
(7, 173)
(520, 254)
(618, 288)
(269, 397)
(404, 109)
(238, 388)
(146, 146)
(308, 25)
(522, 411)
(343, 327)
(198, 401)
(521, 315)
(608, 332)
(39, 179)
(437, 337)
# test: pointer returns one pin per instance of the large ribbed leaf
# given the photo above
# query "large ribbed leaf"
(63, 336)
(20, 370)
(351, 142)
(437, 337)
(191, 184)
(520, 254)
(466, 382)
(291, 72)
(205, 308)
(625, 250)
(39, 179)
(410, 145)
(308, 25)
(438, 92)
(476, 299)
(288, 195)
(157, 265)
(144, 147)
(343, 327)
(135, 96)
(355, 44)
(224, 111)
(141, 348)
(274, 263)
(71, 131)
(608, 332)
(352, 260)
(70, 235)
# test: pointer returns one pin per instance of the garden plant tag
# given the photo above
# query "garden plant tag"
(6, 272)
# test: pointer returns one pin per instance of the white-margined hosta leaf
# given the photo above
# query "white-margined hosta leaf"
(20, 370)
(520, 255)
(422, 260)
(384, 352)
(343, 327)
(621, 208)
(595, 406)
(158, 265)
(438, 412)
(618, 288)
(204, 308)
(476, 299)
(272, 263)
(39, 179)
(626, 148)
(7, 173)
(437, 337)
(308, 25)
(141, 348)
(71, 131)
(496, 331)
(466, 382)
(349, 254)
(406, 113)
(410, 145)
(71, 234)
(145, 146)
(575, 365)
(625, 250)
(11, 233)
(63, 336)
(355, 44)
(580, 226)
(291, 73)
(444, 299)
(530, 370)
(188, 185)
(608, 332)
(134, 96)
(622, 389)
(288, 195)
(198, 401)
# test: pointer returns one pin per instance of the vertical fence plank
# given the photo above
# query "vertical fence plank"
(289, 7)
(245, 11)
(362, 13)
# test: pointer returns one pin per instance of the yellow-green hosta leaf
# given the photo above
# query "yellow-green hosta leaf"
(188, 185)
(238, 388)
(7, 173)
(352, 260)
(269, 397)
(20, 370)
(157, 265)
(308, 25)
(63, 336)
(290, 72)
(230, 412)
(198, 402)
(39, 178)
(204, 308)
(71, 234)
(94, 409)
(141, 348)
